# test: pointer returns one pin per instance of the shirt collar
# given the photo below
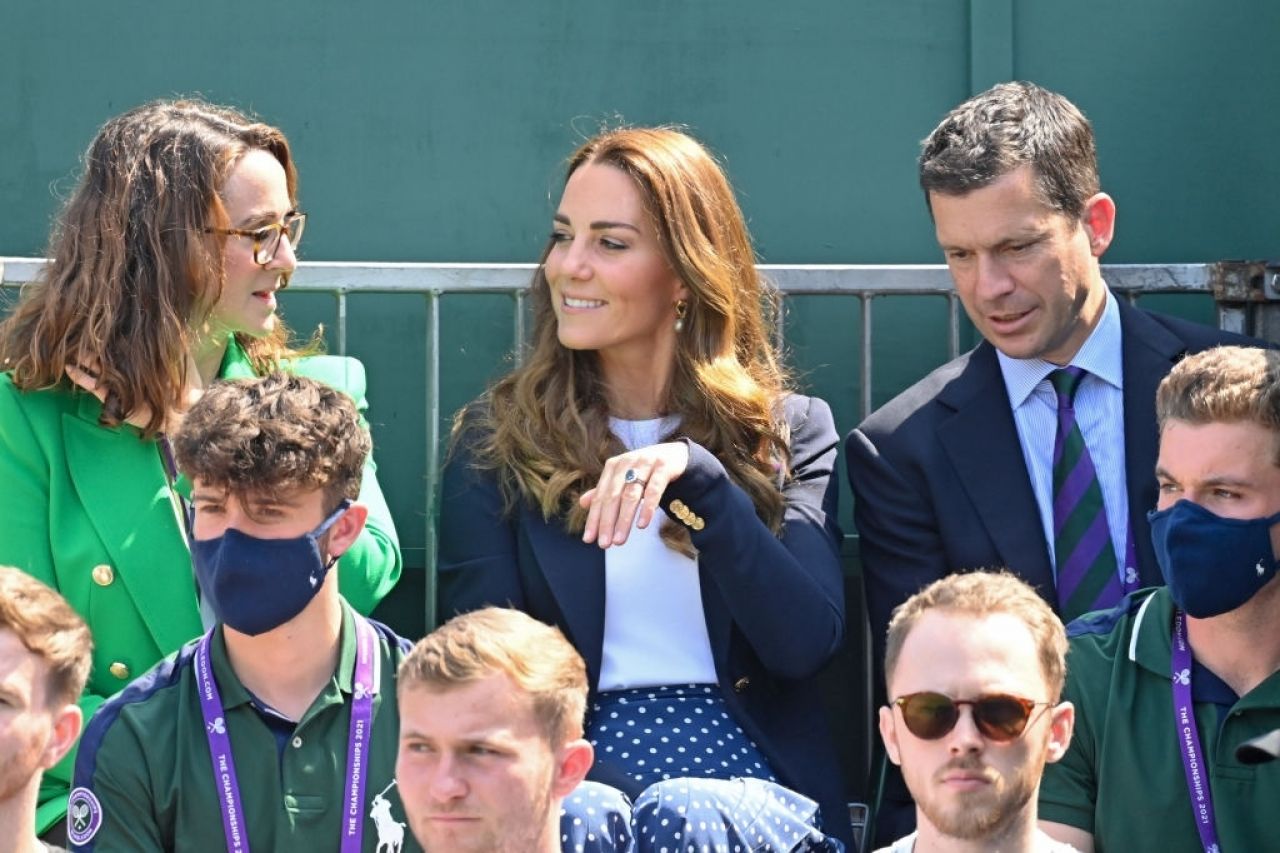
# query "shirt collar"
(1151, 647)
(1100, 354)
(234, 693)
(1151, 637)
(235, 362)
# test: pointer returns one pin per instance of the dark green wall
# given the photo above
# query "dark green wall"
(435, 131)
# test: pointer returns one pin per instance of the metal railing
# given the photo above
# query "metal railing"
(865, 283)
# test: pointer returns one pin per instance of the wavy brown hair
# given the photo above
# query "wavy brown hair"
(133, 269)
(545, 427)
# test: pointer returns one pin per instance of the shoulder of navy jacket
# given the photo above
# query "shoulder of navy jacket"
(166, 674)
(1100, 622)
(394, 641)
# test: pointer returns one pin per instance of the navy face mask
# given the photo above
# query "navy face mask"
(1212, 564)
(254, 585)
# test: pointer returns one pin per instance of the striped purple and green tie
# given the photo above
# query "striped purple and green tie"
(1082, 549)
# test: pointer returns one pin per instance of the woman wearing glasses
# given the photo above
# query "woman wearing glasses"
(164, 270)
(648, 482)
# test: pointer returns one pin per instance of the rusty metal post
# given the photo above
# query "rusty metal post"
(1248, 297)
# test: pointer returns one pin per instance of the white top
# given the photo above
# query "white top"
(655, 632)
(1042, 844)
(1099, 409)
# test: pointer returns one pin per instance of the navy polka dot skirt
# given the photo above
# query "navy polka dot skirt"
(727, 816)
(656, 733)
(595, 818)
(693, 816)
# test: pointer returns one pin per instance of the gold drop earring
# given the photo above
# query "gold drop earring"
(682, 310)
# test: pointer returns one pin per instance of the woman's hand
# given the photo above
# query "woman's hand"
(86, 376)
(629, 489)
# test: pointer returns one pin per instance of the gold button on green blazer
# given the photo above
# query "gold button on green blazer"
(80, 502)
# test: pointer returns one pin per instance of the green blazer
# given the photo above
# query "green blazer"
(87, 510)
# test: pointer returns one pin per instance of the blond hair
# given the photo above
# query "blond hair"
(1223, 385)
(495, 640)
(982, 594)
(50, 630)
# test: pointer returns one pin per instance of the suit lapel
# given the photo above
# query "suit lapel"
(121, 484)
(981, 440)
(1149, 351)
(574, 571)
(235, 363)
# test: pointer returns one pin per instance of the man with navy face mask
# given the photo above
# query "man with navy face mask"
(279, 728)
(1167, 687)
(276, 730)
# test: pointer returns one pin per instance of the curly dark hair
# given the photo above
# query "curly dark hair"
(273, 435)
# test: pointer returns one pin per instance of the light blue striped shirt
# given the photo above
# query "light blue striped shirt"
(1099, 408)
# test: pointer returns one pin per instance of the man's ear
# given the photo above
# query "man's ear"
(67, 722)
(1061, 725)
(345, 530)
(889, 734)
(1099, 220)
(573, 761)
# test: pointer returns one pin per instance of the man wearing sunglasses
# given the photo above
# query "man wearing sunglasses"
(1170, 684)
(975, 665)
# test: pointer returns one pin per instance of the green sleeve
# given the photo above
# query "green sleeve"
(24, 499)
(1069, 787)
(25, 507)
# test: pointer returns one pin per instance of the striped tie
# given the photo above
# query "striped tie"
(1082, 550)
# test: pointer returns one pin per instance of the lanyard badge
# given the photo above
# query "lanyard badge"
(365, 687)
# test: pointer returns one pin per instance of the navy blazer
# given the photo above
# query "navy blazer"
(940, 484)
(774, 605)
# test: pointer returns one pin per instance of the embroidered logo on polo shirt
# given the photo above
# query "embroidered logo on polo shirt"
(390, 830)
(84, 816)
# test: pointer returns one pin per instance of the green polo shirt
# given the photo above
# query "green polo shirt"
(144, 758)
(1122, 778)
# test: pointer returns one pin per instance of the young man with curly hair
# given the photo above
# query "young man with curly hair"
(278, 729)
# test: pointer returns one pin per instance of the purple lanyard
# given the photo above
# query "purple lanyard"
(1184, 720)
(224, 766)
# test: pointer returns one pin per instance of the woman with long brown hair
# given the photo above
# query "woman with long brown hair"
(163, 274)
(648, 482)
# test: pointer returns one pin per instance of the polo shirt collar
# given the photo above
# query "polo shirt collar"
(234, 693)
(1151, 647)
(1101, 355)
(1151, 637)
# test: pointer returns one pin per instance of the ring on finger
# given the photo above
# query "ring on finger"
(631, 477)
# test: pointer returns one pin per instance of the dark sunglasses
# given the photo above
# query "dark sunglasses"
(999, 716)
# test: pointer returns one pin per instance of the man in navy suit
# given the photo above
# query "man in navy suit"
(958, 472)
